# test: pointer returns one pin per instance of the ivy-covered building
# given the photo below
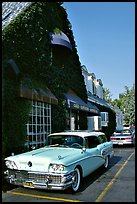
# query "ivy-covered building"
(43, 88)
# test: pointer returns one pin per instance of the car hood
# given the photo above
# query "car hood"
(39, 160)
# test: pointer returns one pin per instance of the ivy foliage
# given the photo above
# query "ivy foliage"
(27, 41)
(15, 113)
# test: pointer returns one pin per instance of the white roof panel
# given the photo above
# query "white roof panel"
(79, 133)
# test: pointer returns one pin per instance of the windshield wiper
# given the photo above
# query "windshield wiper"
(58, 145)
(63, 145)
(53, 145)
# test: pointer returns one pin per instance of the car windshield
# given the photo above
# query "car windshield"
(123, 132)
(65, 141)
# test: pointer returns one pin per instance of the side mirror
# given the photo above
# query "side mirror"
(83, 150)
(33, 147)
(98, 147)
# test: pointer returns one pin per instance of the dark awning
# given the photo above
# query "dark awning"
(38, 95)
(74, 102)
(99, 101)
(60, 39)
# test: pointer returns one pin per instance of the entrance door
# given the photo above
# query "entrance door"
(74, 120)
(72, 123)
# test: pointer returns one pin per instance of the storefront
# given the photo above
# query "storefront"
(78, 111)
(39, 123)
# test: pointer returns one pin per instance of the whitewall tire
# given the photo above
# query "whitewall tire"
(76, 180)
(106, 162)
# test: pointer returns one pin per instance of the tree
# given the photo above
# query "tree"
(125, 103)
(107, 95)
(129, 105)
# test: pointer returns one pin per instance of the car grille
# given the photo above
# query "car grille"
(37, 177)
(20, 174)
(43, 177)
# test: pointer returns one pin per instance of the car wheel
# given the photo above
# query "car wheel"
(76, 180)
(106, 162)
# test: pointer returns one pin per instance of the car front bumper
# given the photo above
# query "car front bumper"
(40, 180)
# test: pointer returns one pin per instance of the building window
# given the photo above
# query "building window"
(39, 124)
(104, 119)
(94, 89)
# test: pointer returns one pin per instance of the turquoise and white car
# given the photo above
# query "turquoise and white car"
(62, 163)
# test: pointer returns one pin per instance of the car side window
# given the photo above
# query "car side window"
(103, 138)
(92, 141)
(127, 131)
(100, 138)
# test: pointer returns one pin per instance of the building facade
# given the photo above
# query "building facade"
(43, 87)
(94, 88)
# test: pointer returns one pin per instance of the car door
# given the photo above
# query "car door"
(93, 153)
(104, 147)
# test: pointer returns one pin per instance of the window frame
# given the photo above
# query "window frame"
(39, 124)
(90, 145)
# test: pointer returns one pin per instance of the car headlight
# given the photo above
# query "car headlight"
(56, 167)
(11, 164)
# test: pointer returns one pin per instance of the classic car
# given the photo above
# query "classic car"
(123, 137)
(62, 163)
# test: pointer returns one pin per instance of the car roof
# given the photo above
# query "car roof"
(79, 133)
(123, 130)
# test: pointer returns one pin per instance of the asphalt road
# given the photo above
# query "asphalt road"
(117, 184)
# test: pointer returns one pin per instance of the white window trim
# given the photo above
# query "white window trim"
(39, 125)
(104, 119)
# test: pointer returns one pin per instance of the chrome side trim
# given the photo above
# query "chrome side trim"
(84, 159)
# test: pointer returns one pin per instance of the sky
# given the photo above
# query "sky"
(104, 33)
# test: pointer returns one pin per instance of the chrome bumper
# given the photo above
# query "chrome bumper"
(122, 142)
(40, 180)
